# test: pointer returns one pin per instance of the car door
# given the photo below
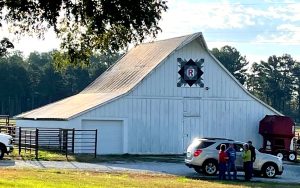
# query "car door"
(239, 151)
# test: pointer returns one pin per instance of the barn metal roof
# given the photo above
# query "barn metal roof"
(116, 81)
(121, 78)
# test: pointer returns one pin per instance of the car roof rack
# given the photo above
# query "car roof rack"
(213, 138)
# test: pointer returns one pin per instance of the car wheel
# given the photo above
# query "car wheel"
(210, 167)
(280, 155)
(197, 169)
(292, 156)
(2, 151)
(269, 170)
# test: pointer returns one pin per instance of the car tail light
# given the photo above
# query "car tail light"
(197, 152)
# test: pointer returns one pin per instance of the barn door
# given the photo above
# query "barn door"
(190, 130)
(110, 135)
(192, 126)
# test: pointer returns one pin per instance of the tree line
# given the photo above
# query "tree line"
(275, 81)
(28, 83)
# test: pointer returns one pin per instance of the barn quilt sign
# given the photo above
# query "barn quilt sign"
(190, 73)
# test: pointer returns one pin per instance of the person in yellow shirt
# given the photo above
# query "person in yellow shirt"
(247, 162)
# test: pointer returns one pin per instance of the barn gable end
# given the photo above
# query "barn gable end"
(138, 99)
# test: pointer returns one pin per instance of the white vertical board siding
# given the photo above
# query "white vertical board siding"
(225, 109)
(163, 80)
(159, 115)
(154, 125)
(44, 124)
(235, 119)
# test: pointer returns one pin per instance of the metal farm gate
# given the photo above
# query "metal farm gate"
(68, 141)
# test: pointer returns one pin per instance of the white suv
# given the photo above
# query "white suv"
(202, 154)
(6, 144)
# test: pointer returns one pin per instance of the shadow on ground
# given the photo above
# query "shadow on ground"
(7, 163)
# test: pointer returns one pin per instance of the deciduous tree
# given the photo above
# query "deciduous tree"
(85, 26)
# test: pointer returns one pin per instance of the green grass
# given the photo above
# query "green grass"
(33, 178)
(90, 158)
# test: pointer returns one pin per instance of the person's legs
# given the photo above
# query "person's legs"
(222, 171)
(225, 169)
(234, 171)
(251, 170)
(248, 171)
(244, 167)
(229, 168)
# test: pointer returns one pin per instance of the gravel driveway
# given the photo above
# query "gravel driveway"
(291, 172)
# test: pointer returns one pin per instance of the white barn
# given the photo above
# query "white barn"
(138, 106)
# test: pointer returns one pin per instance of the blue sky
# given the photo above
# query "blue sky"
(257, 28)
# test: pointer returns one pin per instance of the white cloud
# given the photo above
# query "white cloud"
(272, 22)
(186, 17)
(288, 34)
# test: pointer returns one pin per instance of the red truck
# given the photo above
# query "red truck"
(278, 136)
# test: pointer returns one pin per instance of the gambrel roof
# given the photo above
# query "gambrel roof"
(119, 79)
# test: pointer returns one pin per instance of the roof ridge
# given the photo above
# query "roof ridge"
(166, 39)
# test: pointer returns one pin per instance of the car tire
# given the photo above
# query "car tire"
(2, 151)
(197, 169)
(280, 155)
(210, 167)
(292, 156)
(269, 170)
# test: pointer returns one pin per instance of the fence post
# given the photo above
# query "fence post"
(25, 141)
(73, 139)
(30, 145)
(59, 140)
(66, 142)
(20, 137)
(96, 139)
(36, 143)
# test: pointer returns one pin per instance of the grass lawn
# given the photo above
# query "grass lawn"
(66, 178)
(89, 158)
(57, 156)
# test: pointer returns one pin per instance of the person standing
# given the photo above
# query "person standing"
(253, 156)
(222, 162)
(231, 153)
(247, 162)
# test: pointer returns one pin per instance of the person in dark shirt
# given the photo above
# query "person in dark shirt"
(253, 156)
(231, 153)
(222, 162)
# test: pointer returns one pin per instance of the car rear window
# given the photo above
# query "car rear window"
(203, 144)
